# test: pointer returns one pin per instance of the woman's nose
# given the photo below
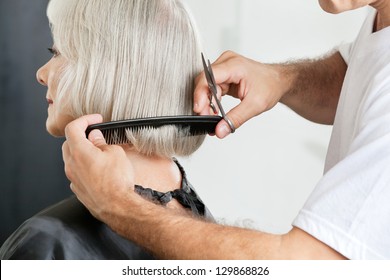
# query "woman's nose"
(42, 75)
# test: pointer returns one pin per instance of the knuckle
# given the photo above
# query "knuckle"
(228, 53)
(68, 128)
(238, 60)
(64, 147)
(68, 172)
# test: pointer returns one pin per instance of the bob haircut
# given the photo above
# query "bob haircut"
(129, 59)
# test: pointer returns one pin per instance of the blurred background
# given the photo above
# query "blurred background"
(258, 177)
(31, 167)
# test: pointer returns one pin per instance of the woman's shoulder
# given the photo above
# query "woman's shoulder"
(67, 230)
(46, 234)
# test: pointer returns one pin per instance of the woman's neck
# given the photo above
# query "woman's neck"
(160, 174)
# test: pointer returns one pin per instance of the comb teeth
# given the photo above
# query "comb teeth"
(115, 136)
(118, 136)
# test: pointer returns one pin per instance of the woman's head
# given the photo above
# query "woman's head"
(125, 59)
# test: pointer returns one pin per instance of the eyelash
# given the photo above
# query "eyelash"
(54, 52)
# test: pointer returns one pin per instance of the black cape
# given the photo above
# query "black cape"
(68, 231)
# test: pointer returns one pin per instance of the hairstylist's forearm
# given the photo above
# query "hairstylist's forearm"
(315, 89)
(170, 235)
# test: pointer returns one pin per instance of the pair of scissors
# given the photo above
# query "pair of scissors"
(213, 89)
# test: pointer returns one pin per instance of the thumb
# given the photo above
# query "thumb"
(238, 116)
(97, 138)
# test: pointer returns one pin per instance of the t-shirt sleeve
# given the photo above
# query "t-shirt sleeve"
(349, 209)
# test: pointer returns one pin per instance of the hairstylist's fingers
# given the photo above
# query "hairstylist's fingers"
(244, 111)
(66, 156)
(72, 187)
(223, 78)
(65, 151)
(75, 130)
(201, 93)
(97, 138)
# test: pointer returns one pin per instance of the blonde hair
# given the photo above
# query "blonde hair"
(129, 59)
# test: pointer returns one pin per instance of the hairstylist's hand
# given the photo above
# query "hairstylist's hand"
(101, 174)
(258, 86)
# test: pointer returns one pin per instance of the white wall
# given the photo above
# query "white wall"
(261, 175)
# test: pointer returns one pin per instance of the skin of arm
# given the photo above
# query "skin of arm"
(169, 235)
(309, 87)
(102, 178)
(316, 89)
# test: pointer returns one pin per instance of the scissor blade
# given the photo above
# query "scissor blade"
(207, 74)
(212, 75)
(214, 89)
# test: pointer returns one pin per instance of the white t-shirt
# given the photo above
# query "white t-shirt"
(349, 209)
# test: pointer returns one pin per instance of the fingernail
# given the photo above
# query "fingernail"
(95, 135)
(225, 130)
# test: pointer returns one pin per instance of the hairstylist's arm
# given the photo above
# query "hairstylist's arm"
(309, 87)
(102, 179)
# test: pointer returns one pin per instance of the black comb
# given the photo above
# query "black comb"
(115, 132)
